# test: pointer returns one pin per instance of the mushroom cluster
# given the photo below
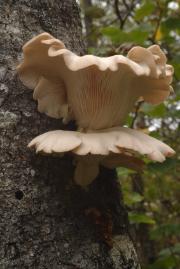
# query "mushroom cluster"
(98, 93)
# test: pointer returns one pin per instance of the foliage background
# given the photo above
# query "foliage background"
(153, 197)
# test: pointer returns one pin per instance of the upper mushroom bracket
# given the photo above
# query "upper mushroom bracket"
(97, 92)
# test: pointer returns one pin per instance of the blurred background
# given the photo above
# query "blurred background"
(152, 198)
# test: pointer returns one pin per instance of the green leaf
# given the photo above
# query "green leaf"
(163, 167)
(137, 36)
(156, 134)
(158, 111)
(117, 36)
(165, 230)
(114, 33)
(129, 120)
(124, 172)
(176, 66)
(140, 218)
(167, 262)
(175, 250)
(144, 10)
(172, 23)
(165, 252)
(175, 113)
(131, 198)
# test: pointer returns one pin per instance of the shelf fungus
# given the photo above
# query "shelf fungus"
(98, 93)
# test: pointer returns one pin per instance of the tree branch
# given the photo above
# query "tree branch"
(136, 113)
(129, 9)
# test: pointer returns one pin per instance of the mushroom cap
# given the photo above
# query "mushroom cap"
(110, 147)
(116, 140)
(97, 92)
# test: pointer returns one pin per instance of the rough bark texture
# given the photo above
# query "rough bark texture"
(44, 221)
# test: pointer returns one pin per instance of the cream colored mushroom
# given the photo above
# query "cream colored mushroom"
(98, 93)
(105, 146)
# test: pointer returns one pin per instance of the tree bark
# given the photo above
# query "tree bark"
(46, 220)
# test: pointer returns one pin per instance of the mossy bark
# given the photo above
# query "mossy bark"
(47, 221)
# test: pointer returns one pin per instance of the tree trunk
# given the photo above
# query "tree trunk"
(46, 220)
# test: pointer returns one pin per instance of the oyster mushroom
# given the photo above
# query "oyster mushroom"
(98, 93)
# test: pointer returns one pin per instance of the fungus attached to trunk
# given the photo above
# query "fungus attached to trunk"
(98, 93)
